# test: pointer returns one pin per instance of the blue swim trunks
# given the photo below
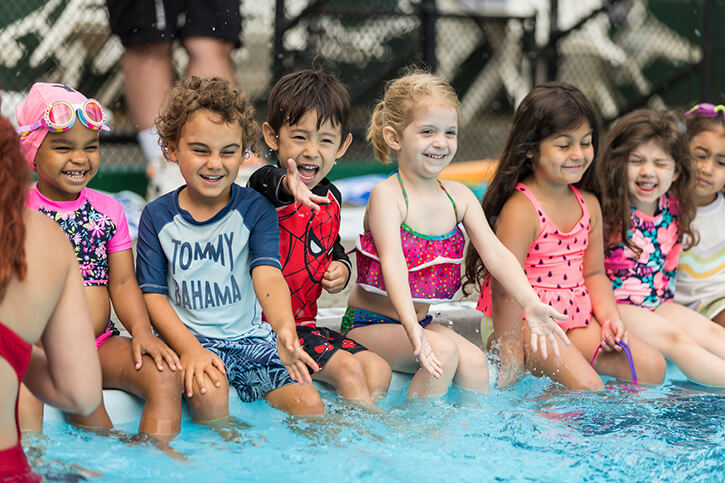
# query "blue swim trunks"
(355, 318)
(252, 364)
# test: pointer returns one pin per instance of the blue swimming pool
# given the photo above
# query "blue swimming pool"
(534, 431)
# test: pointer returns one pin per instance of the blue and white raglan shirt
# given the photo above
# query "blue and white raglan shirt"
(205, 268)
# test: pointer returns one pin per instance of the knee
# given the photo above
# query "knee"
(349, 370)
(379, 374)
(676, 337)
(592, 382)
(204, 48)
(164, 385)
(308, 403)
(447, 353)
(474, 361)
(213, 405)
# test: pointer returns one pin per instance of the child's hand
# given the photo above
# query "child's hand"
(299, 189)
(424, 352)
(293, 357)
(613, 332)
(335, 277)
(541, 319)
(197, 362)
(144, 342)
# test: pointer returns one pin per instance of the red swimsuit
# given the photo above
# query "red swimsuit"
(13, 463)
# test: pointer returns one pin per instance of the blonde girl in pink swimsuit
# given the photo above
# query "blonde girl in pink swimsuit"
(411, 224)
(555, 231)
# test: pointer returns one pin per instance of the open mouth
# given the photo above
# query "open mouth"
(437, 157)
(75, 175)
(307, 172)
(212, 178)
(646, 186)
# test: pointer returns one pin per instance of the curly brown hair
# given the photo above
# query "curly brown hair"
(548, 109)
(632, 130)
(213, 94)
(15, 175)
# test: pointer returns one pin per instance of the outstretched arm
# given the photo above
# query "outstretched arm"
(384, 223)
(274, 297)
(282, 186)
(506, 267)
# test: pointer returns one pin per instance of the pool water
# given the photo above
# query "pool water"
(534, 431)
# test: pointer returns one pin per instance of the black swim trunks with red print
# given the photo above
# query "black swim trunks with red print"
(320, 343)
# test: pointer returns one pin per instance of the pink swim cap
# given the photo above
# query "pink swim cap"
(41, 95)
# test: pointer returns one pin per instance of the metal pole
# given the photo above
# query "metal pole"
(708, 41)
(278, 52)
(428, 14)
(552, 57)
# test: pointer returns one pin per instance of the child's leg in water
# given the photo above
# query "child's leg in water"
(472, 372)
(351, 375)
(704, 331)
(297, 399)
(391, 342)
(648, 362)
(695, 361)
(572, 369)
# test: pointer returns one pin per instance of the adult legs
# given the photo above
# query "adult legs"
(209, 57)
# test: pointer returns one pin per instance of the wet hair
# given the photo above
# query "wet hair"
(216, 95)
(298, 93)
(631, 131)
(16, 177)
(397, 108)
(549, 109)
(696, 124)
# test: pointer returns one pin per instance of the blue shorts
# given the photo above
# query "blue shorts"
(355, 318)
(252, 364)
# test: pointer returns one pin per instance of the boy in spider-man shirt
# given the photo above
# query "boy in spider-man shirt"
(308, 127)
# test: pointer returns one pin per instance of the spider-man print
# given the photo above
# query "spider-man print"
(305, 245)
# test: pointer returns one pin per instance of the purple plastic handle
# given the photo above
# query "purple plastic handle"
(627, 352)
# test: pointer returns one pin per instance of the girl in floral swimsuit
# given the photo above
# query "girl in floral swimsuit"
(648, 154)
(412, 248)
(59, 129)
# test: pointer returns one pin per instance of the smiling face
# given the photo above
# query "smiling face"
(429, 143)
(564, 157)
(650, 173)
(708, 148)
(209, 153)
(66, 162)
(313, 149)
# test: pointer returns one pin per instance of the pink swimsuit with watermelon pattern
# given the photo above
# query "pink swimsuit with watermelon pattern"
(434, 262)
(554, 266)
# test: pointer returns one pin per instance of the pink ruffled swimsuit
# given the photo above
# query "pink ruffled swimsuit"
(434, 262)
(554, 266)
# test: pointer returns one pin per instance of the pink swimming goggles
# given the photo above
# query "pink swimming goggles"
(705, 109)
(60, 116)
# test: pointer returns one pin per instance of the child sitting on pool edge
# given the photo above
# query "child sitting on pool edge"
(206, 249)
(308, 127)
